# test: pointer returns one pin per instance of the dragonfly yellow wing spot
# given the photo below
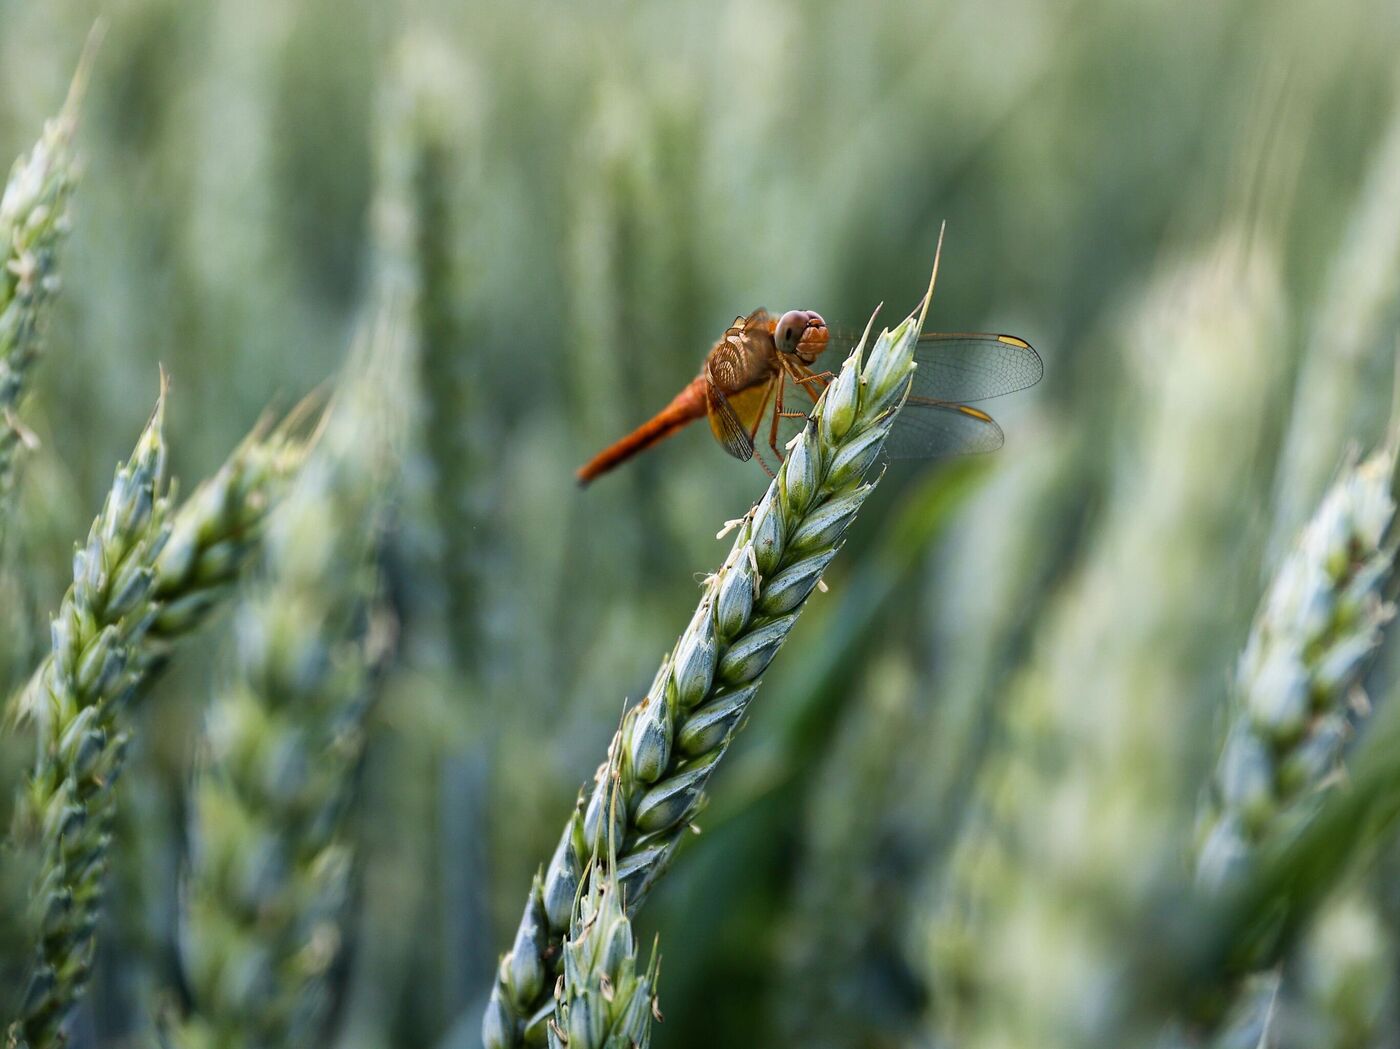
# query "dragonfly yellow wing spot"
(748, 404)
(1011, 340)
(727, 428)
(966, 410)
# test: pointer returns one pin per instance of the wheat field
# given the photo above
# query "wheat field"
(338, 715)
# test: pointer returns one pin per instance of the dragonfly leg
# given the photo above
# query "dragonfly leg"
(804, 383)
(778, 413)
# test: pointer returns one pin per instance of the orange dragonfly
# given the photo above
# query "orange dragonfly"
(763, 363)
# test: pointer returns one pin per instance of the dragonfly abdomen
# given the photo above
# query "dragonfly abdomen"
(685, 407)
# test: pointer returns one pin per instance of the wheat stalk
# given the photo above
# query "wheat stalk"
(425, 146)
(144, 578)
(1352, 325)
(270, 863)
(34, 221)
(671, 740)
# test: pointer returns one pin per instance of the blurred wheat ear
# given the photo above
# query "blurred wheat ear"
(1297, 690)
(670, 742)
(34, 221)
(1076, 811)
(270, 867)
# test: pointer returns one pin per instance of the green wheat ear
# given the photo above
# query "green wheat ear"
(1296, 690)
(35, 215)
(670, 742)
(146, 577)
(73, 701)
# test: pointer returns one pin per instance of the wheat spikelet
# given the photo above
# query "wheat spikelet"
(1295, 690)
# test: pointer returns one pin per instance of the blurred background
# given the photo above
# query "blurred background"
(1191, 210)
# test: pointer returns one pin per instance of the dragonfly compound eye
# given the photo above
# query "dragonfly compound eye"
(794, 326)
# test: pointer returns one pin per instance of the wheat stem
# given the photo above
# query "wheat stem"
(670, 742)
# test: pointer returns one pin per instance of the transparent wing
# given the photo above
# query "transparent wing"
(928, 429)
(725, 424)
(964, 367)
(970, 367)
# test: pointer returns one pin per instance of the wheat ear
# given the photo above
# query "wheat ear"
(34, 221)
(671, 740)
(271, 863)
(144, 578)
(1297, 693)
(1296, 690)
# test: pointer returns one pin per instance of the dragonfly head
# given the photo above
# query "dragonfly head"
(801, 332)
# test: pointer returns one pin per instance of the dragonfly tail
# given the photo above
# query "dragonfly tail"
(685, 407)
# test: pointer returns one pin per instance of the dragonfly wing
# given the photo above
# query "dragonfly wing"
(963, 367)
(928, 429)
(749, 406)
(728, 429)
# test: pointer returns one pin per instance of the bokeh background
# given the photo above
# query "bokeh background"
(1192, 210)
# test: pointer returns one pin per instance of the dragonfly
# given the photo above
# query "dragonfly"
(757, 380)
